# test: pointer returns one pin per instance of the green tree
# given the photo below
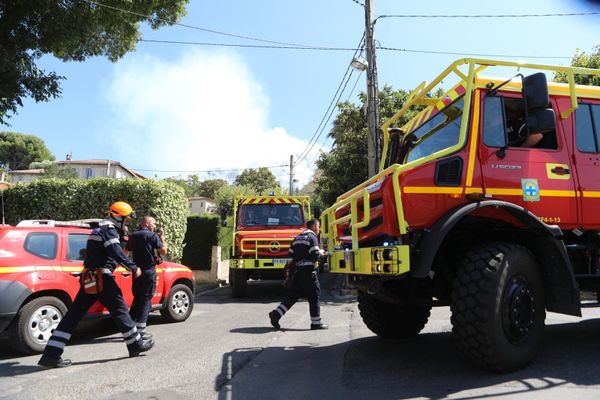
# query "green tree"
(582, 59)
(345, 166)
(71, 31)
(17, 150)
(182, 183)
(224, 197)
(209, 187)
(261, 180)
(53, 170)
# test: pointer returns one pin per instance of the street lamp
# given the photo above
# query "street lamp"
(359, 63)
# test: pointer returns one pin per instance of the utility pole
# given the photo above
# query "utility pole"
(292, 175)
(372, 104)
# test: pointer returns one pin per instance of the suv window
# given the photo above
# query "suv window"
(587, 127)
(503, 124)
(76, 245)
(42, 244)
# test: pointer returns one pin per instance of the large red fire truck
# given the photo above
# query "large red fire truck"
(488, 201)
(264, 229)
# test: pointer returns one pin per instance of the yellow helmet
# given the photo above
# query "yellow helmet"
(121, 209)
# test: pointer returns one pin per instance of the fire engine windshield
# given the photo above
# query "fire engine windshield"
(439, 133)
(271, 215)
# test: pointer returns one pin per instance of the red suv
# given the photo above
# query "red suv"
(40, 265)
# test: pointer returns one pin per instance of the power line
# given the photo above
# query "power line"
(210, 170)
(323, 48)
(331, 107)
(465, 54)
(488, 15)
(154, 18)
(328, 118)
(258, 46)
(354, 87)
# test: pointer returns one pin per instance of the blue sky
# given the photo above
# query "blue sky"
(169, 108)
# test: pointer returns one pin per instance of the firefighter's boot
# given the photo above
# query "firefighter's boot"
(50, 362)
(142, 346)
(275, 317)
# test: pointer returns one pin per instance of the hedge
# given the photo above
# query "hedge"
(201, 235)
(74, 199)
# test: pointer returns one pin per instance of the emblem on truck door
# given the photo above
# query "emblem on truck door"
(531, 190)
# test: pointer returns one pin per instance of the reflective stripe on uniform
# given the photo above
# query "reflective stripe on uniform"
(56, 343)
(140, 324)
(111, 241)
(312, 249)
(97, 238)
(301, 241)
(281, 309)
(133, 339)
(303, 263)
(62, 335)
(130, 332)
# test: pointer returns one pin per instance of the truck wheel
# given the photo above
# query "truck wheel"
(179, 304)
(392, 320)
(238, 282)
(497, 305)
(34, 323)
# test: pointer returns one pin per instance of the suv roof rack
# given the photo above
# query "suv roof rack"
(82, 223)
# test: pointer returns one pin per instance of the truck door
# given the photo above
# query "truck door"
(587, 160)
(538, 178)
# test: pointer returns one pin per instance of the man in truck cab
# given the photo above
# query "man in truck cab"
(103, 254)
(305, 253)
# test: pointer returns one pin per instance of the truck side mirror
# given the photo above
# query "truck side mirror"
(396, 135)
(539, 116)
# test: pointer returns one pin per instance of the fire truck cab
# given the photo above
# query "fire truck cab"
(487, 201)
(264, 227)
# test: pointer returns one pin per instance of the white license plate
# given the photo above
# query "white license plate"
(281, 260)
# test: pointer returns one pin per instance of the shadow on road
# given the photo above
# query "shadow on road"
(426, 366)
(13, 368)
(258, 330)
(265, 292)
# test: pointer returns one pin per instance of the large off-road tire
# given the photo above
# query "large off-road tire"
(497, 306)
(179, 304)
(392, 320)
(238, 281)
(34, 323)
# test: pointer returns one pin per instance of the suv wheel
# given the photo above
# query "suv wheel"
(497, 305)
(34, 324)
(179, 304)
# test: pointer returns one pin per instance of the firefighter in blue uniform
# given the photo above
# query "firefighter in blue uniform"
(303, 278)
(104, 253)
(144, 244)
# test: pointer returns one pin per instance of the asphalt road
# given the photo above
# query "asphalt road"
(227, 350)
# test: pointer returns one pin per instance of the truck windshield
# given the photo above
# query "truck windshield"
(439, 133)
(271, 215)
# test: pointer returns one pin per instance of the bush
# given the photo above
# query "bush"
(74, 199)
(201, 235)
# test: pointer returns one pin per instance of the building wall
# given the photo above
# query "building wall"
(94, 171)
(201, 206)
(25, 178)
